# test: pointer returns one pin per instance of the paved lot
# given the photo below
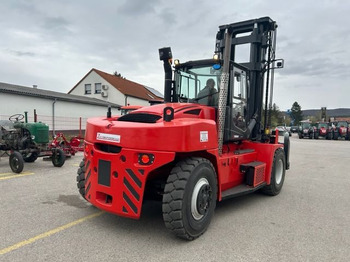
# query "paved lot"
(43, 218)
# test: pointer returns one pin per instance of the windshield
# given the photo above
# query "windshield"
(325, 125)
(305, 125)
(342, 124)
(198, 84)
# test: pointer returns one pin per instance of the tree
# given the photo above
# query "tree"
(118, 74)
(275, 115)
(296, 113)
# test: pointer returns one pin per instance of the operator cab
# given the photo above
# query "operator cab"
(199, 82)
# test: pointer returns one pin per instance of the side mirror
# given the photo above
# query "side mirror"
(279, 63)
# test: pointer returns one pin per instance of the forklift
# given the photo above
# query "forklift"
(207, 142)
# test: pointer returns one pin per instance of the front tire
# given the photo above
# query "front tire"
(277, 174)
(189, 198)
(16, 162)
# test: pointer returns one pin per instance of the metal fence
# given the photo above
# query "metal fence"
(71, 125)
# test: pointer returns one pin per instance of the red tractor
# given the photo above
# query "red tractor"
(341, 130)
(323, 129)
(206, 143)
(127, 109)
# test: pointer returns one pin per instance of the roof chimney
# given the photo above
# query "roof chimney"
(35, 86)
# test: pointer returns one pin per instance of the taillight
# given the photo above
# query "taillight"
(146, 159)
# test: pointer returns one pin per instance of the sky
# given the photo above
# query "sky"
(54, 44)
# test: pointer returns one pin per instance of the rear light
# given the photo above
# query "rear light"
(146, 159)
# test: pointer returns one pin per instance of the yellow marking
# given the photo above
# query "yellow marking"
(4, 176)
(77, 165)
(48, 233)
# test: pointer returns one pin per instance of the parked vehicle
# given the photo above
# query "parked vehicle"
(282, 130)
(194, 149)
(127, 109)
(305, 130)
(341, 130)
(323, 129)
(294, 129)
(25, 142)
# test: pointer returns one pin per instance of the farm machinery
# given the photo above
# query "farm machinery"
(323, 129)
(341, 130)
(25, 142)
(305, 130)
(206, 143)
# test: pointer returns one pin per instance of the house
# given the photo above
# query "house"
(116, 89)
(59, 110)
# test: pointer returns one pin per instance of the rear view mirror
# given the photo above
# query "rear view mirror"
(279, 63)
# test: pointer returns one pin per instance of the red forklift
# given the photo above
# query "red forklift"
(206, 143)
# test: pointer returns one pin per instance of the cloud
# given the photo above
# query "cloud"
(21, 53)
(138, 7)
(56, 24)
(42, 38)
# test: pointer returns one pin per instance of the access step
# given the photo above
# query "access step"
(240, 191)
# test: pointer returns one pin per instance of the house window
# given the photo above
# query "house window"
(98, 88)
(87, 89)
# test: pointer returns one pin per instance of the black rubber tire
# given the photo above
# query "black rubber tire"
(31, 157)
(58, 157)
(186, 214)
(277, 174)
(16, 162)
(81, 178)
(336, 136)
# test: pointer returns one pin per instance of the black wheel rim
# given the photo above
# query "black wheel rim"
(204, 199)
(15, 163)
(201, 199)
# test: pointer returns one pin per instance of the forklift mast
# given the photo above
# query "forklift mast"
(260, 34)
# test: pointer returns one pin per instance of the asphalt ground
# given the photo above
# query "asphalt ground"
(43, 217)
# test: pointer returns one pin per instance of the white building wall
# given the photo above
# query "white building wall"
(68, 115)
(114, 95)
(133, 101)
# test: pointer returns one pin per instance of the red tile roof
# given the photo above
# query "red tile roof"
(125, 86)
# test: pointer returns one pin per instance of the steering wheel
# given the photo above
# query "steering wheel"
(16, 117)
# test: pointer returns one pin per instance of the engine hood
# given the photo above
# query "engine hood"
(181, 110)
(193, 128)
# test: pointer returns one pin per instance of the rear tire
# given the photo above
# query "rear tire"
(189, 198)
(277, 174)
(16, 162)
(58, 157)
(81, 178)
(336, 136)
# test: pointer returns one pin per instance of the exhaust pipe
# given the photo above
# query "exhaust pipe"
(166, 56)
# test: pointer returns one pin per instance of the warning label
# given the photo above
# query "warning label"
(203, 136)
